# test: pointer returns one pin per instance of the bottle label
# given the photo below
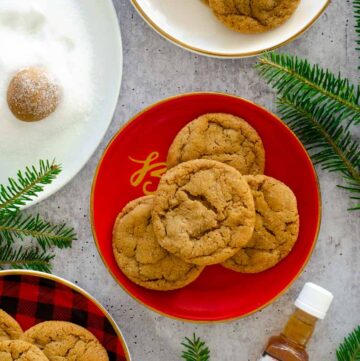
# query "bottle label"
(266, 357)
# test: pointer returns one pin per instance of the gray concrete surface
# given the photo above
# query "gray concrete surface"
(153, 69)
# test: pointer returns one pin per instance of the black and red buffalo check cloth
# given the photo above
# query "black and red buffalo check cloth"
(32, 299)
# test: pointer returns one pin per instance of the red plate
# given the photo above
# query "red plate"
(132, 165)
(32, 297)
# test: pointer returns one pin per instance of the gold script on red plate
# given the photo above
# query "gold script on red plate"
(148, 167)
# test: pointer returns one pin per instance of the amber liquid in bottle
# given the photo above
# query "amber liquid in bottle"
(291, 343)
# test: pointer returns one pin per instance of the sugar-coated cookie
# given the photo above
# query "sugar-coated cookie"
(65, 341)
(139, 254)
(17, 350)
(9, 328)
(203, 211)
(276, 227)
(253, 16)
(221, 137)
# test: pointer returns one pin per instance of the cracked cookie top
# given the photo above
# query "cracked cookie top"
(16, 350)
(276, 227)
(139, 254)
(253, 16)
(65, 341)
(221, 137)
(203, 211)
(9, 328)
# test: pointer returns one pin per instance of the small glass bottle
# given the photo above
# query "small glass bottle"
(311, 305)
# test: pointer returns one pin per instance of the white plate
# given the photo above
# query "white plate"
(73, 150)
(192, 25)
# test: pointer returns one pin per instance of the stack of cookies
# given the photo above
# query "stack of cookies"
(48, 341)
(213, 205)
(253, 16)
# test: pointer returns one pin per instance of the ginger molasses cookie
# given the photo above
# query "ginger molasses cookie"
(221, 137)
(16, 350)
(9, 328)
(253, 16)
(33, 95)
(203, 211)
(276, 227)
(139, 254)
(231, 6)
(65, 341)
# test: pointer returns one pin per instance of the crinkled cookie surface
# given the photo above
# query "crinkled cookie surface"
(203, 211)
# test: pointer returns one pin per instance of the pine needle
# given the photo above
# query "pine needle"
(19, 227)
(328, 140)
(290, 75)
(349, 350)
(26, 187)
(22, 258)
(14, 226)
(195, 350)
(320, 107)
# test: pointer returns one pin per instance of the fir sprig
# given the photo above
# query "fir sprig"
(15, 226)
(349, 350)
(19, 227)
(332, 93)
(195, 349)
(328, 140)
(320, 107)
(31, 258)
(26, 187)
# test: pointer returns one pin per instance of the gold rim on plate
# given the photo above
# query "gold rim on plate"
(97, 242)
(79, 290)
(193, 49)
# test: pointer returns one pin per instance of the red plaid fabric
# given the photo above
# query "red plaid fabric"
(32, 299)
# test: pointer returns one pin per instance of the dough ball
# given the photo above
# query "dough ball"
(33, 94)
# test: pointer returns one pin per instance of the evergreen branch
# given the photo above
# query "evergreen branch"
(349, 350)
(328, 140)
(195, 350)
(18, 227)
(290, 75)
(30, 258)
(26, 187)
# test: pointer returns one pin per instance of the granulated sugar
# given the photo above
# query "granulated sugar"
(51, 35)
